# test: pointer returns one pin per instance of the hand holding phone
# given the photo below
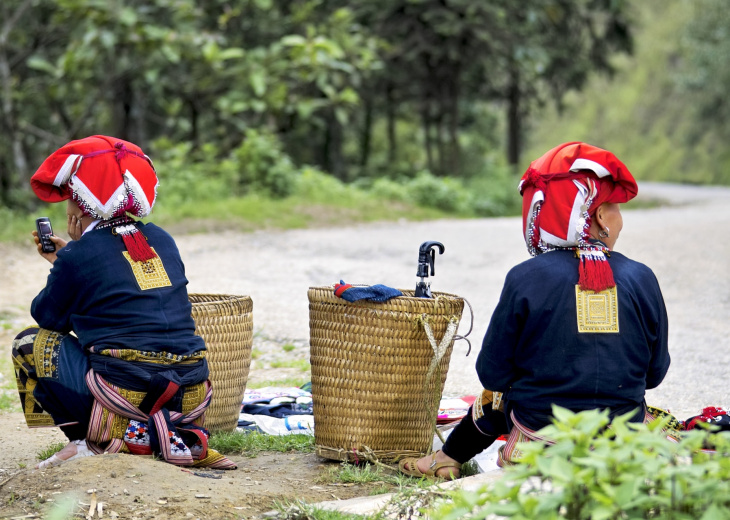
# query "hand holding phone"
(45, 231)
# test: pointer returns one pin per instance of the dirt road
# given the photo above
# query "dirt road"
(682, 241)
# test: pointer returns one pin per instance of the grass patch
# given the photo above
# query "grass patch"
(50, 450)
(9, 401)
(302, 511)
(288, 347)
(285, 382)
(300, 364)
(252, 443)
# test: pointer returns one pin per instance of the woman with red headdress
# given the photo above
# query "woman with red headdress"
(114, 361)
(578, 326)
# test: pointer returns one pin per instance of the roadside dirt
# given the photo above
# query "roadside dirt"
(679, 242)
(132, 487)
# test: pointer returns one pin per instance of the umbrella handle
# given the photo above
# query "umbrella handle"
(427, 258)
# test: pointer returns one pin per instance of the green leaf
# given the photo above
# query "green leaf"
(293, 40)
(38, 63)
(231, 54)
(257, 79)
(264, 5)
(127, 16)
(715, 512)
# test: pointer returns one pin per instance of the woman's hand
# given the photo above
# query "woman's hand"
(74, 227)
(51, 257)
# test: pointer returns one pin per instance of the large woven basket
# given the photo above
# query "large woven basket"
(372, 395)
(225, 322)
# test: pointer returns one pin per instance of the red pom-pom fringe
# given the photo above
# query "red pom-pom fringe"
(595, 274)
(137, 246)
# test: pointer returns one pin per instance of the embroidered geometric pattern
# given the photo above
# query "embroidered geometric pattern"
(25, 376)
(158, 358)
(150, 274)
(597, 311)
(45, 350)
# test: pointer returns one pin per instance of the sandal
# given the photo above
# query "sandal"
(409, 466)
(81, 451)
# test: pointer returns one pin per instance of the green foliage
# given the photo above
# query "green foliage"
(300, 510)
(598, 472)
(50, 450)
(252, 443)
(262, 166)
(653, 114)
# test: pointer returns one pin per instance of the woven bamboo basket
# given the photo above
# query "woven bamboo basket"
(376, 381)
(225, 322)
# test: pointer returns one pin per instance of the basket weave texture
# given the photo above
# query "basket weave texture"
(225, 322)
(371, 392)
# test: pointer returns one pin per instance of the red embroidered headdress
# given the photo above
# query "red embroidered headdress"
(107, 177)
(560, 193)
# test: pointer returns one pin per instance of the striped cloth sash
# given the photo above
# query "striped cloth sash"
(172, 434)
(510, 453)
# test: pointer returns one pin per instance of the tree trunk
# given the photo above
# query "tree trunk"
(390, 114)
(426, 122)
(367, 129)
(332, 148)
(9, 179)
(514, 130)
(194, 135)
(454, 163)
(440, 145)
(123, 108)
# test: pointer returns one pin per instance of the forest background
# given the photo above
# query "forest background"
(306, 112)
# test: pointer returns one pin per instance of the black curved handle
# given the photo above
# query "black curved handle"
(427, 257)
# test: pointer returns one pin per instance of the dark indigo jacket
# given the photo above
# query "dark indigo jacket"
(534, 353)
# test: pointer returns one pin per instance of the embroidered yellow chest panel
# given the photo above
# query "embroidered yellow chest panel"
(597, 311)
(150, 274)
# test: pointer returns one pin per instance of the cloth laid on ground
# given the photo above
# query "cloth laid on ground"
(272, 409)
(451, 410)
(373, 293)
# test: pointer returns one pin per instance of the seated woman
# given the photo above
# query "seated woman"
(579, 325)
(114, 361)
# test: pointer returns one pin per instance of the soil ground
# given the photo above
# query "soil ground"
(681, 241)
(132, 487)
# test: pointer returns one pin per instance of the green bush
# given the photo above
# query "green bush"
(190, 176)
(599, 473)
(262, 165)
(441, 193)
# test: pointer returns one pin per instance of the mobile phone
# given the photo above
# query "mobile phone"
(45, 230)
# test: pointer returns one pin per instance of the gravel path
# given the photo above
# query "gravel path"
(676, 241)
(683, 243)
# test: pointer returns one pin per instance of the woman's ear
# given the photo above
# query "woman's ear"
(598, 216)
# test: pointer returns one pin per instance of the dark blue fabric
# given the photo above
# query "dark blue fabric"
(91, 290)
(374, 293)
(532, 350)
(136, 376)
(66, 396)
(277, 410)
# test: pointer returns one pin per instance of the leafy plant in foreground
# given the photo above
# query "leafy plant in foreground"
(598, 472)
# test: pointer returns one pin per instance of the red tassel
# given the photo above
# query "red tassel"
(595, 275)
(137, 246)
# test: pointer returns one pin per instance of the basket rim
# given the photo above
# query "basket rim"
(405, 296)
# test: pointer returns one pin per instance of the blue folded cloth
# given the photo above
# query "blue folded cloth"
(373, 293)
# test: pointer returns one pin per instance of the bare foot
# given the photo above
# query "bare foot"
(425, 463)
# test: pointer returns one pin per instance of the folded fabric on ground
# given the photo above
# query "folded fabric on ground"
(269, 409)
(373, 293)
(451, 410)
(303, 424)
(270, 394)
